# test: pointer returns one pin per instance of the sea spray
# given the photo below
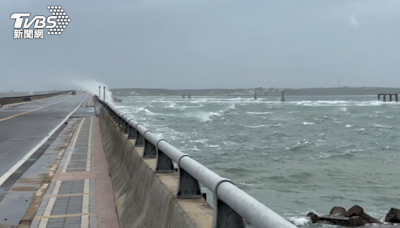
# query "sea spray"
(92, 86)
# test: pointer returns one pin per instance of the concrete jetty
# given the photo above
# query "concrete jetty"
(76, 161)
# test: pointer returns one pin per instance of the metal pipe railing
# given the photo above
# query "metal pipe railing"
(231, 205)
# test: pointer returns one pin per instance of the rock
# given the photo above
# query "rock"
(393, 215)
(313, 217)
(338, 211)
(359, 211)
(354, 221)
(355, 211)
(354, 217)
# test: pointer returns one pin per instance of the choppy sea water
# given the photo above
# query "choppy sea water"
(305, 154)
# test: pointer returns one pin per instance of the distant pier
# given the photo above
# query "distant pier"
(391, 95)
(186, 95)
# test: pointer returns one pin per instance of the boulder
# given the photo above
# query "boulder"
(313, 217)
(354, 217)
(338, 211)
(393, 215)
(354, 221)
(341, 221)
(359, 211)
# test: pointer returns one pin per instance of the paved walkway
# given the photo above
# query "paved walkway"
(80, 193)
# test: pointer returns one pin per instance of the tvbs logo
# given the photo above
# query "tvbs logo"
(56, 23)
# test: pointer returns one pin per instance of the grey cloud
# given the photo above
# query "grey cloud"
(207, 44)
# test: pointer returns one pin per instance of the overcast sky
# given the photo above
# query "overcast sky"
(206, 44)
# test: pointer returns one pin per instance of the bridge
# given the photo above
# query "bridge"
(390, 95)
(76, 161)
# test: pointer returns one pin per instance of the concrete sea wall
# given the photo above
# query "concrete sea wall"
(145, 198)
(13, 100)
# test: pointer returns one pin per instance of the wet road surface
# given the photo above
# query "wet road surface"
(23, 127)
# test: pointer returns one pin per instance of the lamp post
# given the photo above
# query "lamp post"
(104, 93)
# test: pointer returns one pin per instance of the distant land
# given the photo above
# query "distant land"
(260, 91)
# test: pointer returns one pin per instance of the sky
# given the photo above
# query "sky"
(191, 44)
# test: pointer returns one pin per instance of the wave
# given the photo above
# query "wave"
(172, 105)
(299, 221)
(257, 126)
(141, 110)
(381, 126)
(347, 154)
(200, 141)
(258, 113)
(300, 144)
(203, 116)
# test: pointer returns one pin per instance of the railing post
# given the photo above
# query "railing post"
(164, 163)
(139, 137)
(119, 118)
(121, 122)
(126, 125)
(149, 150)
(188, 186)
(123, 126)
(131, 132)
(224, 215)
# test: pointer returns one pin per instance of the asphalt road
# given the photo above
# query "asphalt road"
(23, 127)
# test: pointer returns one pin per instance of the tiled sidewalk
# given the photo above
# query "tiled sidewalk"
(80, 193)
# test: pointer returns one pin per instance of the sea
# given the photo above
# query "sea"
(306, 154)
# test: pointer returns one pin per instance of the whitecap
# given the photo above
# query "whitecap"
(257, 126)
(299, 221)
(204, 116)
(145, 111)
(258, 113)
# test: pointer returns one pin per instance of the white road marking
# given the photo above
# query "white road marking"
(85, 205)
(86, 186)
(72, 146)
(50, 205)
(89, 152)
